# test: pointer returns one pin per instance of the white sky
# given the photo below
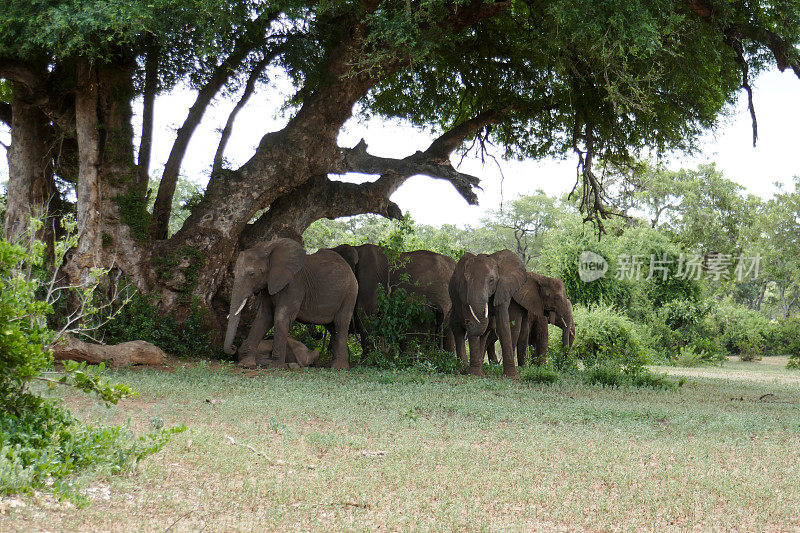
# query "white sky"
(777, 101)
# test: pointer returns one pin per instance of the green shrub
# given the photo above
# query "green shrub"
(606, 338)
(612, 376)
(686, 324)
(140, 319)
(743, 331)
(783, 337)
(40, 442)
(43, 443)
(688, 357)
(539, 374)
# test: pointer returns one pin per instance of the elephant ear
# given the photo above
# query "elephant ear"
(512, 275)
(458, 282)
(286, 258)
(528, 296)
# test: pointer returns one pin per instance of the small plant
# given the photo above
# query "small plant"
(688, 357)
(610, 376)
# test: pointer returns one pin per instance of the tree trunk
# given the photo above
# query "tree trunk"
(111, 208)
(30, 188)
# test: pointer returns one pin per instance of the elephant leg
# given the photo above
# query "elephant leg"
(522, 341)
(339, 344)
(449, 341)
(516, 328)
(458, 343)
(504, 333)
(541, 335)
(360, 329)
(284, 316)
(476, 353)
(491, 353)
(261, 325)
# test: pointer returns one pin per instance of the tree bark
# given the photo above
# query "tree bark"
(30, 190)
(148, 110)
(111, 208)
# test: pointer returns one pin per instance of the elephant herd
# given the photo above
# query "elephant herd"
(480, 298)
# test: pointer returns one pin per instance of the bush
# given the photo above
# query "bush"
(783, 337)
(611, 376)
(688, 357)
(606, 338)
(686, 324)
(40, 442)
(743, 331)
(141, 320)
(539, 374)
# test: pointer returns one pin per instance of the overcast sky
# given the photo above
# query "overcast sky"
(777, 101)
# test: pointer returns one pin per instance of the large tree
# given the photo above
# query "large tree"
(601, 79)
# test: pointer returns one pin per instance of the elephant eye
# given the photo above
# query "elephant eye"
(251, 274)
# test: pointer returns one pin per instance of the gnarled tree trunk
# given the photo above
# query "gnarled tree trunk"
(30, 188)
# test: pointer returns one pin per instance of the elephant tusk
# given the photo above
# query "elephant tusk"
(244, 302)
(473, 313)
(486, 311)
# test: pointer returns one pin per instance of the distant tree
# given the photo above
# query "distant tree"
(526, 219)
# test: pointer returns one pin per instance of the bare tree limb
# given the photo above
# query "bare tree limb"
(251, 38)
(248, 92)
(148, 108)
(321, 197)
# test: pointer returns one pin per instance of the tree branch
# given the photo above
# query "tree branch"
(786, 56)
(252, 38)
(320, 197)
(148, 108)
(248, 92)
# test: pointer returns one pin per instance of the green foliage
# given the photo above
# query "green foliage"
(688, 357)
(612, 376)
(40, 442)
(682, 327)
(742, 331)
(140, 319)
(606, 338)
(23, 335)
(783, 337)
(539, 374)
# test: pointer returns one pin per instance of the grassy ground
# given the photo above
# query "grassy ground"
(366, 451)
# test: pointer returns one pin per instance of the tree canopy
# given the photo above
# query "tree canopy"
(607, 81)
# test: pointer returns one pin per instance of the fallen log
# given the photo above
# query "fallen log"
(124, 354)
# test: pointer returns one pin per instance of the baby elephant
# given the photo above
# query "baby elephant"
(297, 355)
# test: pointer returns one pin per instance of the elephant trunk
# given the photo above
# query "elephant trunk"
(238, 300)
(477, 317)
(567, 335)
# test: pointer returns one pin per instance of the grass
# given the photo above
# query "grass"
(367, 450)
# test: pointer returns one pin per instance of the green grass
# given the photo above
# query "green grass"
(364, 450)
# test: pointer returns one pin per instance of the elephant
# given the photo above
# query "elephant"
(541, 301)
(427, 274)
(545, 301)
(371, 268)
(481, 288)
(297, 354)
(314, 289)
